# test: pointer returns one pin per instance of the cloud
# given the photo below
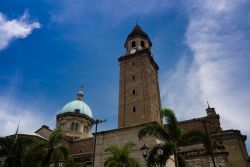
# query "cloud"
(11, 113)
(15, 28)
(14, 109)
(218, 68)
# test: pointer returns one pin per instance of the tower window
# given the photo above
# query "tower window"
(142, 44)
(133, 92)
(134, 109)
(133, 44)
(72, 126)
(133, 63)
(133, 77)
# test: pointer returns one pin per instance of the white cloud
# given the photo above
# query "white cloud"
(15, 28)
(13, 109)
(11, 112)
(219, 40)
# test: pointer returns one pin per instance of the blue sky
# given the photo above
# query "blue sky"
(49, 48)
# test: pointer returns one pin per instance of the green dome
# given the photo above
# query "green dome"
(77, 104)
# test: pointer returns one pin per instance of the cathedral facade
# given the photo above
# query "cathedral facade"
(139, 104)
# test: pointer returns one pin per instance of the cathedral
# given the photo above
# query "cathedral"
(139, 104)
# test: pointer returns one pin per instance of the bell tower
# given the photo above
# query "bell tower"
(139, 96)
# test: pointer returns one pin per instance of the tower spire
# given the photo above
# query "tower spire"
(80, 94)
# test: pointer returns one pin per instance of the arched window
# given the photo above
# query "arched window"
(133, 77)
(133, 44)
(133, 92)
(76, 127)
(72, 126)
(142, 44)
(62, 125)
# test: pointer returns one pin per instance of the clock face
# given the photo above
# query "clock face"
(132, 51)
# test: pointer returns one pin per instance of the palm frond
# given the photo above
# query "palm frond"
(126, 148)
(120, 156)
(62, 149)
(132, 162)
(154, 130)
(110, 162)
(155, 159)
(55, 137)
(113, 149)
(173, 127)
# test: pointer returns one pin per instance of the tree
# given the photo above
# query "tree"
(42, 154)
(170, 139)
(14, 149)
(71, 163)
(121, 156)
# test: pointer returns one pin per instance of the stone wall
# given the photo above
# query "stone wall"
(197, 155)
(44, 131)
(139, 97)
(206, 161)
(82, 146)
(234, 143)
(120, 137)
(212, 124)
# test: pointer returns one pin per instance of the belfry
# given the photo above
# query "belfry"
(139, 95)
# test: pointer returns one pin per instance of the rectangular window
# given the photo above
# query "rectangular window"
(72, 126)
(76, 127)
(134, 109)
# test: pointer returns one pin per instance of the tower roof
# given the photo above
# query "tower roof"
(138, 32)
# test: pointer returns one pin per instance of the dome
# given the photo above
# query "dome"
(77, 104)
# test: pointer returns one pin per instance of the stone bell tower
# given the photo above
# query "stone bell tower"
(139, 96)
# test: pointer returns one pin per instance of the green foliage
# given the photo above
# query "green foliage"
(25, 152)
(120, 156)
(154, 159)
(42, 154)
(71, 163)
(170, 139)
(14, 149)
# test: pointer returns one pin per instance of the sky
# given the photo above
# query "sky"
(49, 48)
